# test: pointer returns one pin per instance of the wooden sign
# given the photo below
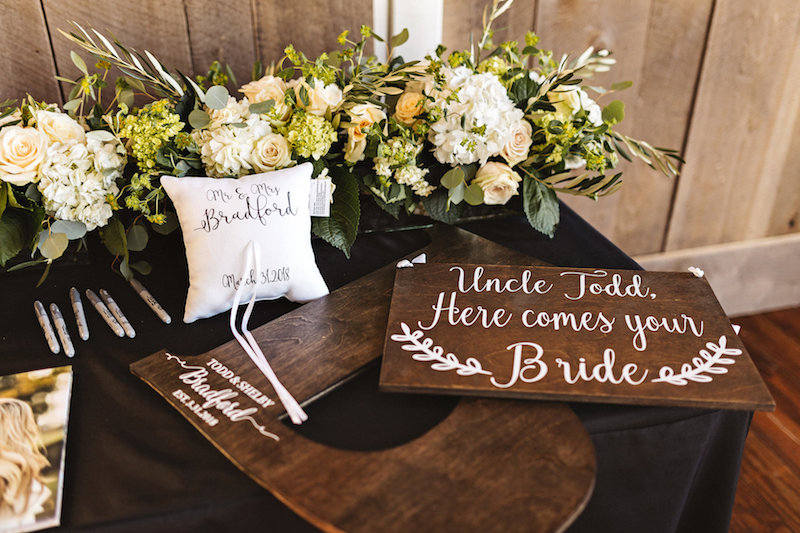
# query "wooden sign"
(491, 465)
(587, 335)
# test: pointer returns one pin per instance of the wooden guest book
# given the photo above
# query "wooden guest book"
(491, 465)
(591, 335)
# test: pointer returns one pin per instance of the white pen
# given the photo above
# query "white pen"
(61, 329)
(105, 314)
(47, 328)
(148, 298)
(117, 312)
(80, 315)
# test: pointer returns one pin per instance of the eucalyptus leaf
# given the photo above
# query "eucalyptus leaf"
(137, 238)
(113, 236)
(79, 62)
(456, 194)
(453, 178)
(199, 119)
(217, 97)
(259, 108)
(73, 230)
(125, 270)
(142, 267)
(473, 194)
(52, 245)
(614, 112)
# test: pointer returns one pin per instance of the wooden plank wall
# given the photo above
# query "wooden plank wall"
(715, 78)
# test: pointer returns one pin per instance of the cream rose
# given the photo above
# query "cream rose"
(21, 153)
(59, 127)
(409, 105)
(567, 102)
(320, 97)
(270, 152)
(516, 149)
(498, 181)
(268, 88)
(355, 146)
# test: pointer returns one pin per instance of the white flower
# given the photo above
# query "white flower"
(59, 127)
(498, 181)
(229, 148)
(320, 97)
(233, 113)
(109, 153)
(73, 188)
(225, 151)
(477, 117)
(572, 162)
(271, 152)
(21, 153)
(570, 100)
(269, 88)
(516, 150)
(413, 176)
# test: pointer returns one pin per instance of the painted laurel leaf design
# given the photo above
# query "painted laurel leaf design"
(427, 351)
(705, 363)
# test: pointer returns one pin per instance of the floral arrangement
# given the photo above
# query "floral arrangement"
(503, 125)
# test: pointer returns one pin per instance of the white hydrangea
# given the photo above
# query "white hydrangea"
(414, 177)
(227, 145)
(477, 117)
(76, 178)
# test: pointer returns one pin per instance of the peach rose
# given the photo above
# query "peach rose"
(409, 105)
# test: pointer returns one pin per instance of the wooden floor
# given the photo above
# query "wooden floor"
(768, 497)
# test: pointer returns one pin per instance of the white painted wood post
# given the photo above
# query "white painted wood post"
(422, 18)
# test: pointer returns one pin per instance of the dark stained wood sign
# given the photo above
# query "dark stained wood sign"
(588, 335)
(531, 470)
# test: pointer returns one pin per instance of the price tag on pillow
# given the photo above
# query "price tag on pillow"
(320, 197)
(220, 216)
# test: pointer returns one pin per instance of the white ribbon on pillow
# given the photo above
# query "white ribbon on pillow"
(249, 344)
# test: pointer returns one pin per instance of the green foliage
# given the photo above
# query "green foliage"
(52, 245)
(614, 112)
(14, 234)
(341, 228)
(439, 208)
(541, 206)
(137, 238)
(217, 97)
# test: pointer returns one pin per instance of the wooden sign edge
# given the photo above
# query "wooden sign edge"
(576, 398)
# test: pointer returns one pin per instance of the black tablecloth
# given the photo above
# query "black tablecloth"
(135, 464)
